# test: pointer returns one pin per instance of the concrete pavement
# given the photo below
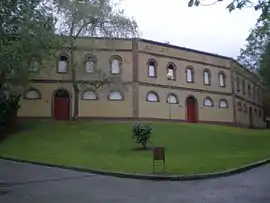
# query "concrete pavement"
(32, 184)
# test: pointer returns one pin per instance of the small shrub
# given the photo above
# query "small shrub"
(9, 106)
(142, 133)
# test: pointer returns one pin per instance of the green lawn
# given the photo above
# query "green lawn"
(108, 146)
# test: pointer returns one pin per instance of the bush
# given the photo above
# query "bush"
(142, 133)
(9, 106)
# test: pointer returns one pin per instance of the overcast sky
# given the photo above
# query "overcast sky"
(212, 29)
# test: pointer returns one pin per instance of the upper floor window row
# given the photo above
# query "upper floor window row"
(171, 73)
(247, 89)
(90, 64)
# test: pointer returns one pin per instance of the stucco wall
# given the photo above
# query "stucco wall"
(242, 116)
(181, 74)
(104, 49)
(161, 109)
(158, 48)
(42, 107)
(107, 108)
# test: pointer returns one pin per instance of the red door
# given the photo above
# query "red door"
(191, 110)
(61, 108)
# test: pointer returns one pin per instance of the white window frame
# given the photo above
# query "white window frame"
(238, 88)
(239, 106)
(115, 96)
(92, 95)
(206, 77)
(189, 75)
(171, 71)
(116, 65)
(28, 96)
(61, 63)
(152, 97)
(152, 69)
(244, 108)
(223, 101)
(222, 78)
(172, 99)
(208, 99)
(90, 66)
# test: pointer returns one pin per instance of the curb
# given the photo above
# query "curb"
(150, 177)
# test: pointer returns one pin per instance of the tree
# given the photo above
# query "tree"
(142, 133)
(92, 18)
(251, 55)
(27, 36)
(262, 26)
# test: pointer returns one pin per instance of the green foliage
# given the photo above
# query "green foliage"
(142, 132)
(91, 18)
(27, 39)
(264, 69)
(9, 106)
(259, 5)
(255, 55)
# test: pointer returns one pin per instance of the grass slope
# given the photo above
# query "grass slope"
(108, 146)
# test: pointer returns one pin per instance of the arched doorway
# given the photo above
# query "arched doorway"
(250, 114)
(191, 109)
(61, 105)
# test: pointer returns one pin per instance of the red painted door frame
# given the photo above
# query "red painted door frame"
(191, 110)
(61, 108)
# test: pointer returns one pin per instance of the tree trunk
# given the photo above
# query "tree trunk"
(143, 145)
(75, 114)
(75, 86)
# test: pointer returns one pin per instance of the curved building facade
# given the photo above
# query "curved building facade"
(158, 82)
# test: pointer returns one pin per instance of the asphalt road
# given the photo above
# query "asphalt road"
(38, 184)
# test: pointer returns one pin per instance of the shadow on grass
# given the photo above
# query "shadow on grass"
(18, 126)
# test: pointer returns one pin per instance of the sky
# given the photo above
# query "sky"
(207, 28)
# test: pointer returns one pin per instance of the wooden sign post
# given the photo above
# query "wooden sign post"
(158, 158)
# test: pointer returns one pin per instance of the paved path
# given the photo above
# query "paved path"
(40, 184)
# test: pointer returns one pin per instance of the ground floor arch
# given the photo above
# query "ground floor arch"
(61, 105)
(191, 109)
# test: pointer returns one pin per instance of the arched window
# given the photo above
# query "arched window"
(249, 90)
(259, 94)
(239, 106)
(245, 108)
(152, 68)
(89, 95)
(254, 91)
(116, 95)
(152, 97)
(190, 74)
(208, 102)
(260, 113)
(171, 71)
(244, 86)
(90, 63)
(63, 64)
(172, 99)
(222, 79)
(206, 77)
(32, 94)
(223, 103)
(116, 62)
(255, 112)
(238, 84)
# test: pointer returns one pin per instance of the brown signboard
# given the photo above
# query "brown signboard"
(158, 157)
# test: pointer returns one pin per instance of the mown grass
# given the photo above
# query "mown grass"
(190, 148)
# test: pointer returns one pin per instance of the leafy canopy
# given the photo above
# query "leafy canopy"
(26, 38)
